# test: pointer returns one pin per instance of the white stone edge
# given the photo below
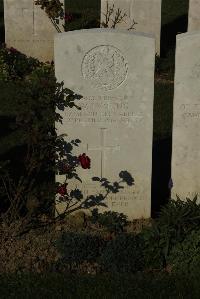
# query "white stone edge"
(99, 30)
(187, 34)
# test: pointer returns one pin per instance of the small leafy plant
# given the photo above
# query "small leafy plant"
(185, 256)
(112, 221)
(176, 220)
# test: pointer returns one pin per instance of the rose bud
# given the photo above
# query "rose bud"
(13, 50)
(84, 161)
(62, 190)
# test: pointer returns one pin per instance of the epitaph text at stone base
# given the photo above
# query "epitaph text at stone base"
(114, 72)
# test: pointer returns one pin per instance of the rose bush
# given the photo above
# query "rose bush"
(35, 105)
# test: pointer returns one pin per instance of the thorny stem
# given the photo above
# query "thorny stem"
(118, 17)
(55, 25)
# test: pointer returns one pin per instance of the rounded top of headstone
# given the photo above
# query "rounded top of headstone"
(105, 31)
(191, 34)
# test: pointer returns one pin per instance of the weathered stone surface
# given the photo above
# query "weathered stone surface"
(28, 29)
(186, 124)
(193, 15)
(114, 71)
(146, 13)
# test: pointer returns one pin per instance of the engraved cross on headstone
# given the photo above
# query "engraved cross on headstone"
(34, 7)
(24, 10)
(102, 148)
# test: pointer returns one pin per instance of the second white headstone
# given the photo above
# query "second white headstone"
(29, 29)
(193, 15)
(186, 125)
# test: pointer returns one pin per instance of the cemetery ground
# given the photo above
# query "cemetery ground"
(106, 257)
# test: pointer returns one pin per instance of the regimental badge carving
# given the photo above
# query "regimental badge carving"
(104, 67)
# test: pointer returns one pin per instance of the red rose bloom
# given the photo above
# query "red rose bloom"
(62, 190)
(68, 17)
(84, 161)
(13, 50)
(66, 168)
(44, 82)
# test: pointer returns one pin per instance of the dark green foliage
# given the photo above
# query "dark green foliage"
(154, 247)
(34, 95)
(108, 286)
(76, 248)
(77, 15)
(185, 256)
(53, 8)
(36, 98)
(85, 14)
(172, 10)
(180, 216)
(123, 254)
(176, 220)
(113, 221)
(16, 65)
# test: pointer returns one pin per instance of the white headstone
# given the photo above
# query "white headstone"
(193, 15)
(146, 13)
(28, 29)
(186, 124)
(114, 72)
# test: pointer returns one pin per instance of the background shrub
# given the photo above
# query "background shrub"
(185, 256)
(30, 95)
(76, 248)
(176, 221)
(123, 254)
(17, 64)
(85, 14)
